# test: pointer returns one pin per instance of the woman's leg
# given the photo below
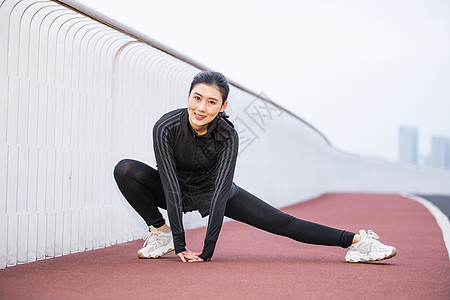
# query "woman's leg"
(142, 187)
(247, 208)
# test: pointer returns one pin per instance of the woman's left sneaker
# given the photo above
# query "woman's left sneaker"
(369, 249)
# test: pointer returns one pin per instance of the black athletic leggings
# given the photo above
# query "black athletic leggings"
(142, 187)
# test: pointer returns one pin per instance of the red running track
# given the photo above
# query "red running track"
(252, 264)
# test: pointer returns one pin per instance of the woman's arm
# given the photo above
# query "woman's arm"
(166, 167)
(224, 179)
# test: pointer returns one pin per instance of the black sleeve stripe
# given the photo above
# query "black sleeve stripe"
(219, 199)
(164, 156)
(173, 185)
(164, 152)
(222, 176)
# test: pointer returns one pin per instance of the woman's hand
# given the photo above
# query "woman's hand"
(188, 256)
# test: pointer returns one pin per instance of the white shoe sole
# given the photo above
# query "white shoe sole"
(366, 258)
(158, 252)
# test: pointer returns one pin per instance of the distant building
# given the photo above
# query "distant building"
(440, 152)
(424, 160)
(407, 145)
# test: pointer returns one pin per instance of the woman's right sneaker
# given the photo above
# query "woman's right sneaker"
(369, 249)
(157, 243)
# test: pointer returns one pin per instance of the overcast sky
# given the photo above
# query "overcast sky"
(355, 69)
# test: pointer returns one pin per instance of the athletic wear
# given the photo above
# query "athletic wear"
(369, 249)
(249, 209)
(157, 243)
(196, 172)
(143, 189)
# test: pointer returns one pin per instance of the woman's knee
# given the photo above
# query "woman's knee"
(123, 169)
(129, 169)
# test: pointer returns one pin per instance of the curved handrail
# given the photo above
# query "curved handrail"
(88, 12)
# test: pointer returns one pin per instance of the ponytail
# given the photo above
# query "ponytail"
(223, 115)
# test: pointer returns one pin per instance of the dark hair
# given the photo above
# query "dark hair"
(216, 79)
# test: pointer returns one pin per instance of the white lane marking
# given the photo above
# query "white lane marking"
(440, 217)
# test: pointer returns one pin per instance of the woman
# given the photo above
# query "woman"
(196, 149)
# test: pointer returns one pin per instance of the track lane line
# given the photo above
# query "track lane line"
(440, 217)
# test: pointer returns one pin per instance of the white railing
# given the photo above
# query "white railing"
(79, 92)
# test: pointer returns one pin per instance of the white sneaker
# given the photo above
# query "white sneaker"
(369, 249)
(157, 243)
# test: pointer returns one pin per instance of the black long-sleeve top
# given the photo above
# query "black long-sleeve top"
(196, 172)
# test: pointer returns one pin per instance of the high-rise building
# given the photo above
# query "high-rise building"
(407, 144)
(440, 152)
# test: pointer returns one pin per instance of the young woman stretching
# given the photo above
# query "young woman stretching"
(196, 149)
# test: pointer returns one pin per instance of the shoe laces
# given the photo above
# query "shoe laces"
(151, 237)
(370, 240)
(371, 234)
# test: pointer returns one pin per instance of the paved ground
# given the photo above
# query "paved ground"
(252, 264)
(443, 202)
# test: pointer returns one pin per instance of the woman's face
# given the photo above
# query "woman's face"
(204, 103)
